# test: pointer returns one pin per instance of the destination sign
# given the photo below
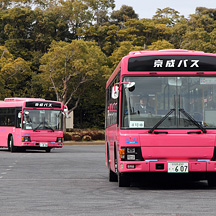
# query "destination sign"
(43, 104)
(172, 63)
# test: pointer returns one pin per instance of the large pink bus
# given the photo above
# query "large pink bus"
(31, 123)
(161, 116)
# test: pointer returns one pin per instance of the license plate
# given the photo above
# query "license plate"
(43, 144)
(178, 167)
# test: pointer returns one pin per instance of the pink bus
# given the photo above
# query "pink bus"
(31, 123)
(161, 116)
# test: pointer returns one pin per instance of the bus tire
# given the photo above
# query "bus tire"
(48, 149)
(9, 143)
(12, 148)
(112, 176)
(123, 180)
(212, 180)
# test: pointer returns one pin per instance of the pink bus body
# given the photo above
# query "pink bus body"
(177, 137)
(31, 123)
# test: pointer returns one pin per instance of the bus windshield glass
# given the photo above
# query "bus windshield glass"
(42, 119)
(186, 102)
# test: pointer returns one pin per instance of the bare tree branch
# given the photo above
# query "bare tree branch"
(3, 53)
(84, 80)
(77, 101)
(55, 89)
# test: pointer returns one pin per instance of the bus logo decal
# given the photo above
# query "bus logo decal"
(131, 140)
(176, 63)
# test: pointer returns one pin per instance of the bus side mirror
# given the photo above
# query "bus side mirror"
(20, 115)
(115, 92)
(66, 112)
(130, 86)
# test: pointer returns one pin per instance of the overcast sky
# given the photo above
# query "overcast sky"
(147, 8)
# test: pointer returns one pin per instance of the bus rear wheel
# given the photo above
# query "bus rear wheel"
(123, 180)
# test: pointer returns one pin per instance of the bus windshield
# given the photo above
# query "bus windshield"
(42, 119)
(185, 102)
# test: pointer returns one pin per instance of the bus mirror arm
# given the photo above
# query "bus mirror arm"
(117, 86)
(128, 85)
(20, 115)
(65, 112)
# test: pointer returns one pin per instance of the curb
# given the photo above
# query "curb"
(101, 142)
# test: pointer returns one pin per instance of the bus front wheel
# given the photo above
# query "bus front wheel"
(11, 145)
(48, 149)
(112, 176)
(212, 180)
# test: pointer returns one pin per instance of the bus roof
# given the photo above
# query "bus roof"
(30, 102)
(23, 99)
(124, 61)
(166, 52)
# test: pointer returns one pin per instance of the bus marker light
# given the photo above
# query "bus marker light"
(122, 153)
(26, 139)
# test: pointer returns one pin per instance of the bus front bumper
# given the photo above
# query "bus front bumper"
(167, 166)
(42, 144)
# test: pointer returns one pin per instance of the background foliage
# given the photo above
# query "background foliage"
(66, 49)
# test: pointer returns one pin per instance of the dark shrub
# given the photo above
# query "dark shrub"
(67, 137)
(86, 138)
(76, 137)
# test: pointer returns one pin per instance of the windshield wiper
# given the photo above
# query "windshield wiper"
(49, 127)
(193, 120)
(37, 126)
(162, 120)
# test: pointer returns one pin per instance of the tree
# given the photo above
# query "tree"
(143, 32)
(100, 9)
(161, 44)
(68, 67)
(125, 13)
(178, 31)
(166, 16)
(123, 50)
(49, 25)
(211, 12)
(14, 74)
(18, 31)
(105, 35)
(201, 21)
(198, 40)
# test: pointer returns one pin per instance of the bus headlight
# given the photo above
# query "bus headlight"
(60, 139)
(130, 154)
(131, 157)
(26, 139)
(131, 150)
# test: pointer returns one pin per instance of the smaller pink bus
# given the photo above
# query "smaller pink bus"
(31, 123)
